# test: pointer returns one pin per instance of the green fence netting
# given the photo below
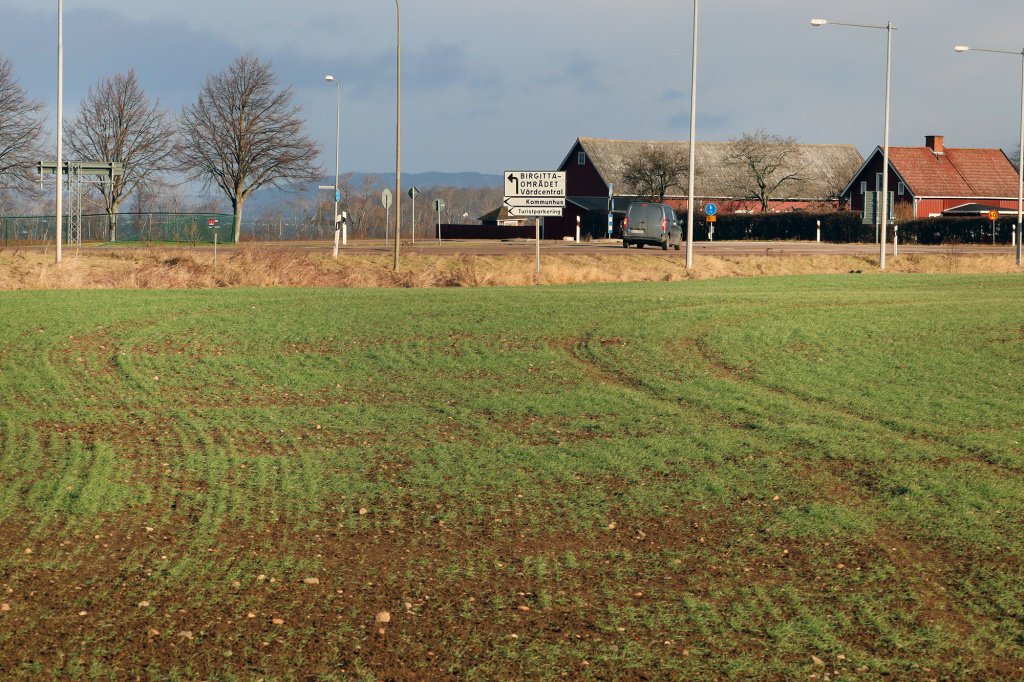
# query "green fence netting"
(190, 228)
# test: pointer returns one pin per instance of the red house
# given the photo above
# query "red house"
(934, 179)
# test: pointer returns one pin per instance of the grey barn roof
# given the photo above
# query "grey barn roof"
(816, 162)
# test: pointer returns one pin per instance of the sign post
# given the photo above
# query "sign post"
(413, 193)
(711, 211)
(214, 224)
(385, 200)
(439, 206)
(537, 194)
(993, 216)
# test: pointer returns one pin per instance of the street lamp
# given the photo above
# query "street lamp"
(337, 155)
(889, 28)
(693, 147)
(1020, 177)
(60, 121)
(398, 142)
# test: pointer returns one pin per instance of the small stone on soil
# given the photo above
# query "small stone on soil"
(277, 621)
(383, 617)
(311, 581)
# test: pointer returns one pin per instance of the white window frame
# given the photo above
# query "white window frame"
(863, 186)
(581, 159)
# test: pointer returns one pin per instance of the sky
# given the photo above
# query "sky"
(491, 86)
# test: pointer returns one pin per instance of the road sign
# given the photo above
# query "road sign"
(534, 183)
(337, 195)
(993, 215)
(710, 210)
(414, 192)
(712, 218)
(385, 198)
(439, 205)
(538, 211)
(524, 202)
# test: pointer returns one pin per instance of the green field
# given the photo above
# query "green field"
(761, 478)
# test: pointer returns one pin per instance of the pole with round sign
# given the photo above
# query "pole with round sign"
(711, 211)
(993, 216)
(385, 201)
(214, 224)
(439, 206)
(413, 193)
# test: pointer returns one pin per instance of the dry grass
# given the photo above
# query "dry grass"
(265, 266)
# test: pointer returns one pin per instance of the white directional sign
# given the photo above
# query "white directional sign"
(534, 193)
(524, 202)
(535, 184)
(538, 211)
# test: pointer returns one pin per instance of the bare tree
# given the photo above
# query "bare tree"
(835, 177)
(21, 134)
(117, 122)
(763, 167)
(653, 170)
(1014, 157)
(242, 134)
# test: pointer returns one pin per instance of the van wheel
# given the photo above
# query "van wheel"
(678, 246)
(639, 245)
(625, 244)
(664, 245)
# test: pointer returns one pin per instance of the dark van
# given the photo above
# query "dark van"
(649, 223)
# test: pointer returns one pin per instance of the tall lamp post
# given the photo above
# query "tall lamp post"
(337, 156)
(693, 147)
(1020, 176)
(398, 143)
(889, 28)
(60, 121)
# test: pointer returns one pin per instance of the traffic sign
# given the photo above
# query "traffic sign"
(993, 215)
(385, 198)
(710, 210)
(538, 211)
(712, 218)
(439, 205)
(534, 183)
(414, 192)
(337, 195)
(524, 202)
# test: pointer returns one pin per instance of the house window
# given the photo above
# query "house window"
(863, 186)
(901, 188)
(878, 182)
(582, 159)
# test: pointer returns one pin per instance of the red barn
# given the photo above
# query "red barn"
(930, 180)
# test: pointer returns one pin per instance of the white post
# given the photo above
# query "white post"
(577, 229)
(885, 152)
(215, 247)
(60, 123)
(693, 147)
(895, 240)
(1020, 176)
(337, 234)
(344, 227)
(819, 231)
(398, 141)
(537, 225)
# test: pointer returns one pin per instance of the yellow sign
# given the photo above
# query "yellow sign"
(993, 215)
(712, 218)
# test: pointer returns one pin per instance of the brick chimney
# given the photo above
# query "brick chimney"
(934, 142)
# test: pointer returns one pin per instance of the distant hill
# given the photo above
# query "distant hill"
(435, 179)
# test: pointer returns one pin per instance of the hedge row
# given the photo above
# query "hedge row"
(845, 227)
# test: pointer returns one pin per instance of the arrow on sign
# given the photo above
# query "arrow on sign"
(525, 202)
(512, 178)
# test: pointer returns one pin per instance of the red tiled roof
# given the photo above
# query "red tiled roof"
(957, 173)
